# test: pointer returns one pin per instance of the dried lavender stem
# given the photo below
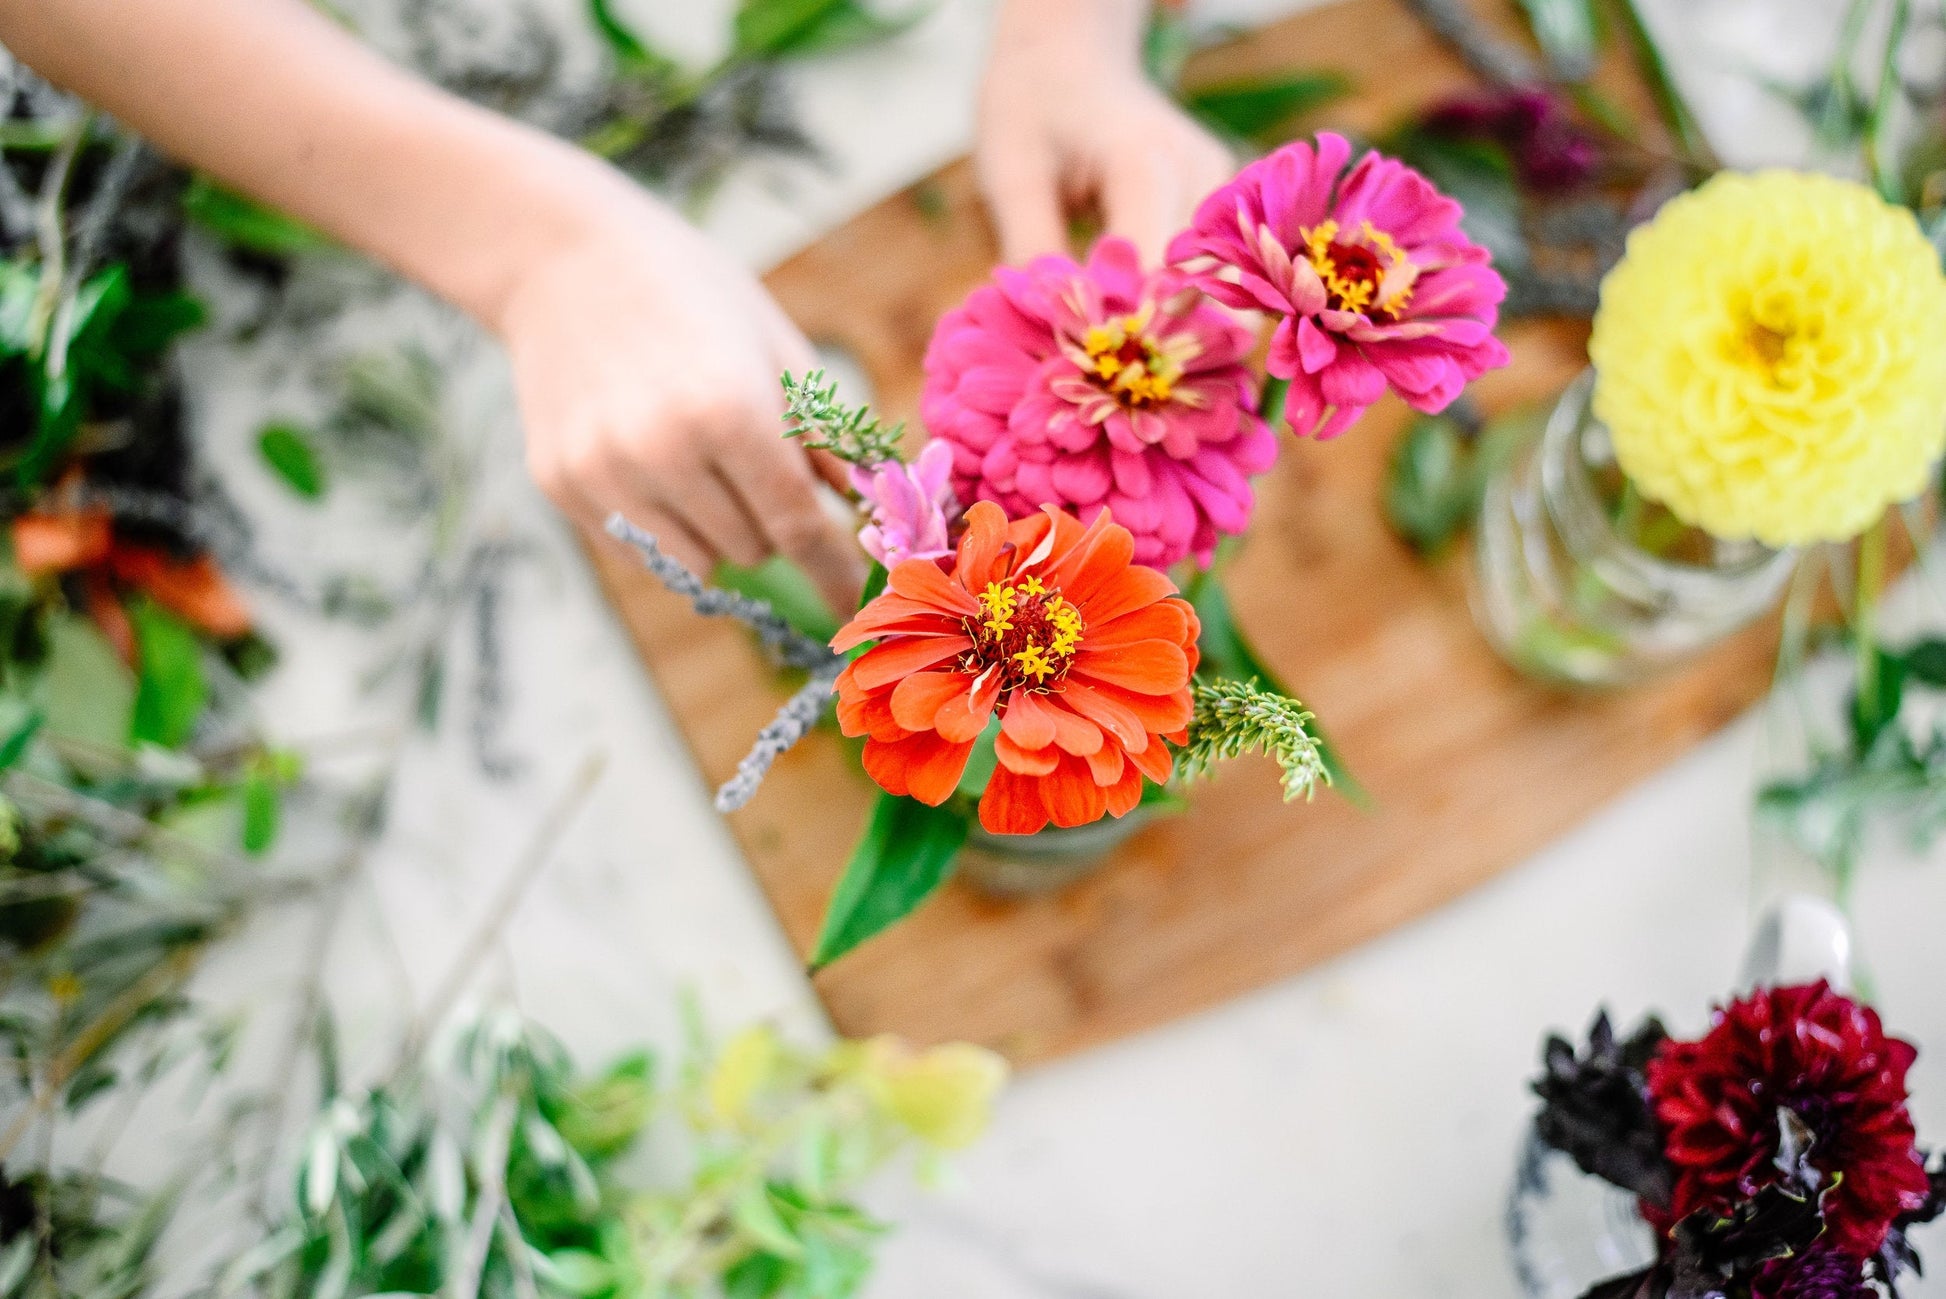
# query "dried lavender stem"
(793, 721)
(791, 646)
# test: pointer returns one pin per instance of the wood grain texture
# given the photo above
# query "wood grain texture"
(1471, 768)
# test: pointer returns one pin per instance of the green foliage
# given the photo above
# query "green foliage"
(291, 453)
(770, 29)
(907, 852)
(87, 693)
(246, 224)
(493, 1168)
(1262, 110)
(813, 413)
(1569, 32)
(171, 688)
(1891, 767)
(1440, 469)
(1233, 718)
(785, 588)
(1480, 176)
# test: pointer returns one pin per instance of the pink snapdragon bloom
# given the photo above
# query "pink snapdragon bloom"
(1101, 387)
(1373, 280)
(910, 506)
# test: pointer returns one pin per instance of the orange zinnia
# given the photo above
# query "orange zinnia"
(1085, 656)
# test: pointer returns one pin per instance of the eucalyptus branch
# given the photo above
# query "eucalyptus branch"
(1232, 718)
(792, 647)
(813, 413)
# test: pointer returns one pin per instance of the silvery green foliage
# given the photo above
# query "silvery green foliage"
(490, 1168)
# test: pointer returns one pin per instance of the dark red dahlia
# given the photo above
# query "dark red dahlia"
(1818, 1273)
(1826, 1059)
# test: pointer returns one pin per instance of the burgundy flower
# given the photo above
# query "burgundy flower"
(1818, 1273)
(1826, 1059)
(1534, 126)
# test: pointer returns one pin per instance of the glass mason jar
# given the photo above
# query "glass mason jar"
(1568, 1230)
(1022, 865)
(1581, 581)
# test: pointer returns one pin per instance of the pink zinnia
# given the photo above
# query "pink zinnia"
(1101, 387)
(1371, 277)
(910, 507)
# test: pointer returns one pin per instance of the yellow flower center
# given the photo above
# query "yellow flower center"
(1027, 631)
(1125, 360)
(1365, 272)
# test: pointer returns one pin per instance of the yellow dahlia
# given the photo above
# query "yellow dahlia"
(1770, 357)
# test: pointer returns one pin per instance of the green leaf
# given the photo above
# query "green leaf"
(1925, 662)
(1569, 34)
(906, 854)
(756, 1217)
(1227, 652)
(292, 456)
(755, 1276)
(784, 587)
(170, 688)
(1262, 109)
(1479, 175)
(263, 807)
(245, 224)
(1875, 716)
(624, 42)
(1431, 492)
(87, 692)
(155, 320)
(983, 761)
(23, 724)
(773, 29)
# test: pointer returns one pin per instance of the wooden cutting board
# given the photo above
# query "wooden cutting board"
(1471, 768)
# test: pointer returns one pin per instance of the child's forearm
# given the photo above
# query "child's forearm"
(274, 100)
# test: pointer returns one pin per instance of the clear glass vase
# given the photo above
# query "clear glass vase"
(1580, 581)
(1022, 865)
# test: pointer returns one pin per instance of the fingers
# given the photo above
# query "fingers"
(1023, 191)
(775, 481)
(1152, 188)
(1140, 200)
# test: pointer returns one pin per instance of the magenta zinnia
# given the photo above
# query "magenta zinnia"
(1371, 280)
(1101, 387)
(1826, 1059)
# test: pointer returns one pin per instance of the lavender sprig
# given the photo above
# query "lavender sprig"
(793, 721)
(791, 647)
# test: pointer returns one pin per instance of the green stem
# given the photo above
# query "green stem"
(1884, 167)
(1864, 620)
(1270, 399)
(1669, 101)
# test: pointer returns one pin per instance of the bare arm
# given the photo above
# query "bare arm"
(646, 360)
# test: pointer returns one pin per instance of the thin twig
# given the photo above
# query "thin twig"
(167, 974)
(51, 233)
(540, 850)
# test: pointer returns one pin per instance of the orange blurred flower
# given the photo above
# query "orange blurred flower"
(1084, 655)
(52, 541)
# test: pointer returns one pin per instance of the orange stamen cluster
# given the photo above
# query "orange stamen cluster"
(1366, 272)
(1027, 632)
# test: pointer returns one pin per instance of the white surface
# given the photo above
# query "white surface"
(1348, 1132)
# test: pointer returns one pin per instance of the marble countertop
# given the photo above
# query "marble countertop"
(1351, 1131)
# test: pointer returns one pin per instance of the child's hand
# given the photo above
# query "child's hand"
(647, 364)
(1067, 118)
